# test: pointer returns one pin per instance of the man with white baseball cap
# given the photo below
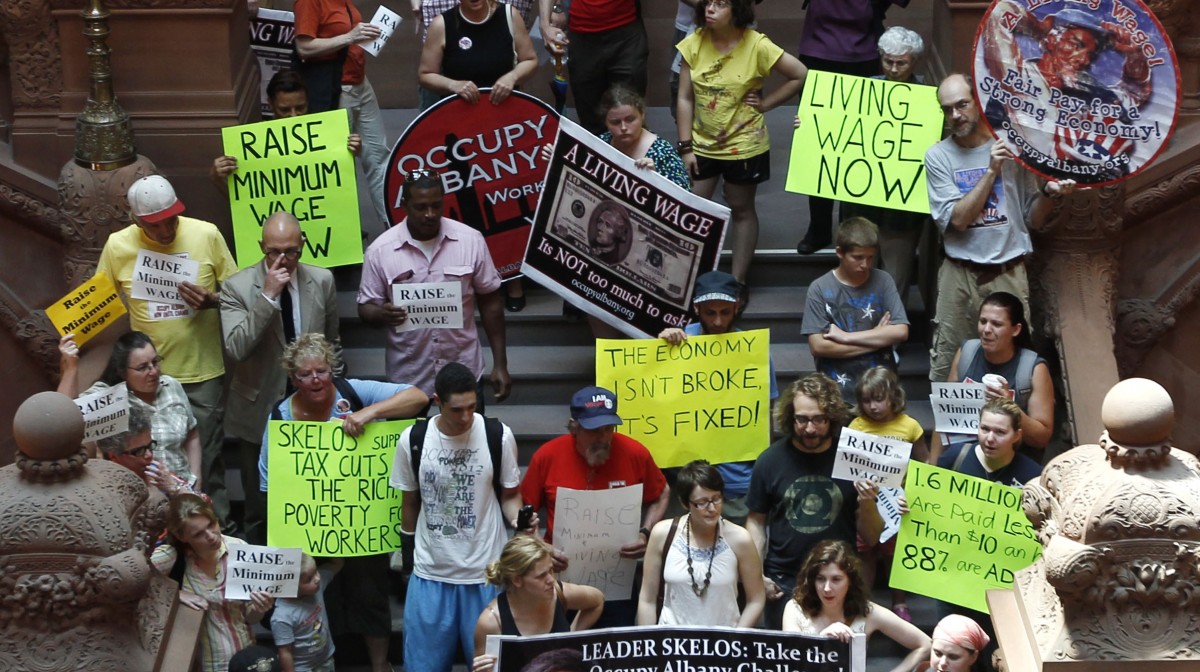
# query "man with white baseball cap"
(183, 322)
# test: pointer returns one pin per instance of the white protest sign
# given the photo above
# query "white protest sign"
(861, 455)
(430, 305)
(156, 276)
(254, 568)
(889, 509)
(105, 412)
(387, 21)
(956, 407)
(591, 526)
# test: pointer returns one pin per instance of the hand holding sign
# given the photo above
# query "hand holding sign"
(386, 22)
(197, 297)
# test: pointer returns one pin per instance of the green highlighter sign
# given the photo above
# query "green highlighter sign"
(962, 536)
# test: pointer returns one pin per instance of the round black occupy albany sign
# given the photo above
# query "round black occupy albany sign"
(489, 160)
(1086, 90)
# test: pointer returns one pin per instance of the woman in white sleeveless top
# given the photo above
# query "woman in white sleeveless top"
(698, 560)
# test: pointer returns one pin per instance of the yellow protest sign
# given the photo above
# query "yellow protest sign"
(863, 140)
(329, 491)
(87, 309)
(300, 165)
(705, 398)
(962, 536)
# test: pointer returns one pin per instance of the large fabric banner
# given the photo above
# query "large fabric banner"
(672, 649)
(271, 32)
(299, 165)
(330, 494)
(1087, 91)
(489, 159)
(962, 536)
(863, 140)
(621, 243)
(706, 398)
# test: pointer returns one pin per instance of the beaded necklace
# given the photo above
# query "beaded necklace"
(697, 589)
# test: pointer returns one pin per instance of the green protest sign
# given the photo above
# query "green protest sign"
(329, 491)
(863, 140)
(300, 165)
(962, 536)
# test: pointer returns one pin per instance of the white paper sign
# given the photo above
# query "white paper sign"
(861, 455)
(388, 21)
(956, 407)
(889, 510)
(430, 305)
(590, 527)
(105, 412)
(156, 277)
(265, 568)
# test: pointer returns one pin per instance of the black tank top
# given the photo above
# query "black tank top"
(508, 625)
(481, 53)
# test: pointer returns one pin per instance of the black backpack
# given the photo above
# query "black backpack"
(492, 427)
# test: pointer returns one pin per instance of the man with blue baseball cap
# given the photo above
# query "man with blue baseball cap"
(592, 456)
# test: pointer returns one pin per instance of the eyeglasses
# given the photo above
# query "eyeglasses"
(155, 363)
(291, 254)
(316, 374)
(804, 420)
(142, 451)
(707, 503)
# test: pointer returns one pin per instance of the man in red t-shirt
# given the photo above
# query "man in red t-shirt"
(605, 42)
(591, 456)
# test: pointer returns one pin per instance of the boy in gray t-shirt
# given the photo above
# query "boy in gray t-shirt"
(300, 624)
(853, 315)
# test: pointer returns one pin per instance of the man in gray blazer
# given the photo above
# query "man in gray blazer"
(263, 308)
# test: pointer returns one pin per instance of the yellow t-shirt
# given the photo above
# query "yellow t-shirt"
(189, 346)
(902, 427)
(723, 127)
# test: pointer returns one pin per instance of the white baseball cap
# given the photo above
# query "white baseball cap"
(152, 199)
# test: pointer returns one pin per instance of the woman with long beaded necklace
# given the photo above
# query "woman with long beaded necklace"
(694, 563)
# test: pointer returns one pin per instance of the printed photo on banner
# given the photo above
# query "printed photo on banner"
(863, 140)
(590, 527)
(271, 33)
(156, 277)
(430, 305)
(387, 21)
(86, 310)
(962, 536)
(621, 243)
(706, 398)
(105, 412)
(678, 649)
(1087, 91)
(261, 568)
(330, 494)
(489, 159)
(956, 406)
(299, 165)
(861, 455)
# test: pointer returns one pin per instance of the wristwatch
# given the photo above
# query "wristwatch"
(646, 532)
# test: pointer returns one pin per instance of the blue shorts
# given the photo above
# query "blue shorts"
(438, 617)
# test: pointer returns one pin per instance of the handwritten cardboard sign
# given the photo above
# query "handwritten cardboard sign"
(591, 526)
(868, 137)
(708, 397)
(299, 165)
(329, 491)
(956, 407)
(430, 305)
(962, 536)
(87, 309)
(105, 412)
(262, 568)
(861, 455)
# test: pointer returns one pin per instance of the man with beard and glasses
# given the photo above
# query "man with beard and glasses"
(984, 205)
(592, 456)
(793, 500)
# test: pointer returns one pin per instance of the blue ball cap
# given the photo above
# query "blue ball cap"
(595, 407)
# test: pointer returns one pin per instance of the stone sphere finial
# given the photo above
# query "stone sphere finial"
(48, 426)
(1138, 412)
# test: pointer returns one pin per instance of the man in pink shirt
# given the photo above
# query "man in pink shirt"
(429, 248)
